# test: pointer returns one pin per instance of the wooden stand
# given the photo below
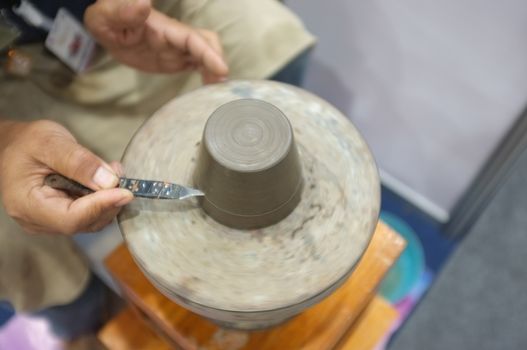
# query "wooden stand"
(351, 318)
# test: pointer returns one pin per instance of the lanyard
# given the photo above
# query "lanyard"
(33, 16)
(67, 39)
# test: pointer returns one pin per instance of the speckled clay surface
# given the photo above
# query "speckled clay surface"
(251, 278)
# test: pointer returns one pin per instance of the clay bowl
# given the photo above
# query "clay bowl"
(250, 278)
(248, 165)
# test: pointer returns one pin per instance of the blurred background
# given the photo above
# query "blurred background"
(438, 89)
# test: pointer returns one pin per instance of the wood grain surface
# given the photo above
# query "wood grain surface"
(371, 327)
(320, 327)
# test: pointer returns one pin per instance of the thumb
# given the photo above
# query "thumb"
(132, 13)
(114, 22)
(92, 212)
(119, 14)
(76, 162)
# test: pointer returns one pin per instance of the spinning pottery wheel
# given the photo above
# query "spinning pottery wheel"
(251, 278)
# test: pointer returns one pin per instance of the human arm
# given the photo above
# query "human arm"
(31, 151)
(136, 34)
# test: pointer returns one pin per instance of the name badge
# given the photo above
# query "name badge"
(70, 42)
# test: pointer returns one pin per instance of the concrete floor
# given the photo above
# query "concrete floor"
(479, 300)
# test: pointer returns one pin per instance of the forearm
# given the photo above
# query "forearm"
(31, 151)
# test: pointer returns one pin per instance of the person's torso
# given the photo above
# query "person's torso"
(48, 8)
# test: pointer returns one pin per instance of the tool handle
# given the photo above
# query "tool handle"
(72, 188)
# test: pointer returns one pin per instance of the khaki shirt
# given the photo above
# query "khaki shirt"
(106, 105)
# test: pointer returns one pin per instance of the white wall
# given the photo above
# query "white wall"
(432, 85)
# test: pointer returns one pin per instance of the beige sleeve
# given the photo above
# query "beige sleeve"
(259, 37)
(38, 271)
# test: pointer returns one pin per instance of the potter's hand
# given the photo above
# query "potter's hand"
(139, 36)
(29, 152)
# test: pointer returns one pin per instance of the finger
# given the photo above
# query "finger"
(207, 56)
(131, 13)
(111, 20)
(210, 78)
(186, 39)
(172, 60)
(174, 55)
(50, 192)
(118, 14)
(68, 158)
(129, 36)
(117, 168)
(72, 216)
(156, 39)
(212, 39)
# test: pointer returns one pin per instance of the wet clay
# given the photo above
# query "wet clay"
(248, 165)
